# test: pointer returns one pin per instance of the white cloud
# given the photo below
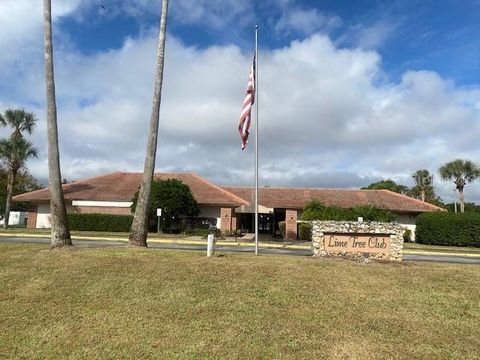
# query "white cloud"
(306, 22)
(326, 120)
(370, 36)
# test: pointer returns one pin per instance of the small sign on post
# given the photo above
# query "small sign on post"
(159, 215)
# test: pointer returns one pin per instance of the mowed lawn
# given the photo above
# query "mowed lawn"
(140, 304)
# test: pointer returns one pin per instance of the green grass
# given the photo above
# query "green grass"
(438, 248)
(130, 303)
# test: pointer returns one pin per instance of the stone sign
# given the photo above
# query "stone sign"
(373, 240)
(363, 243)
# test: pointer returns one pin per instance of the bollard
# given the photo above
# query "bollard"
(210, 243)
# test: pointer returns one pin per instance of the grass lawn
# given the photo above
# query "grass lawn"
(439, 248)
(141, 304)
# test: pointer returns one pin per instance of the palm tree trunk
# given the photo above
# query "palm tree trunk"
(139, 231)
(423, 194)
(461, 200)
(11, 181)
(60, 234)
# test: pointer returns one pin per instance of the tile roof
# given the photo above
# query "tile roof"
(121, 186)
(295, 198)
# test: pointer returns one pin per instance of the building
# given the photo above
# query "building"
(286, 204)
(112, 194)
(231, 207)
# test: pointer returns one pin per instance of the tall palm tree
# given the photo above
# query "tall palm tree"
(60, 234)
(139, 231)
(423, 180)
(461, 172)
(14, 152)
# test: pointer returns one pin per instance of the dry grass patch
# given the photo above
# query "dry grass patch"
(124, 303)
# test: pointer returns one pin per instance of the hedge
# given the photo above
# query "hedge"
(445, 228)
(305, 231)
(100, 222)
(315, 210)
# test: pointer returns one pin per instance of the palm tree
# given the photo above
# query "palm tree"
(60, 234)
(14, 152)
(423, 180)
(461, 172)
(139, 231)
(19, 120)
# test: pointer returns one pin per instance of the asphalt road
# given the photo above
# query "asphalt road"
(245, 249)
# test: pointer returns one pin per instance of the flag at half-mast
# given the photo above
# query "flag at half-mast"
(245, 117)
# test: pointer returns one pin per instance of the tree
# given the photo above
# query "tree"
(469, 207)
(173, 197)
(423, 182)
(25, 182)
(14, 152)
(315, 210)
(461, 172)
(19, 121)
(388, 185)
(60, 233)
(139, 231)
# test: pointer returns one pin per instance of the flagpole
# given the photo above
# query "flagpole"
(256, 140)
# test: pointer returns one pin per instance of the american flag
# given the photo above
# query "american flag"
(245, 117)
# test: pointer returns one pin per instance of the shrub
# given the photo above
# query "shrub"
(233, 233)
(305, 231)
(372, 213)
(218, 234)
(407, 236)
(444, 228)
(100, 222)
(196, 232)
(314, 210)
(282, 227)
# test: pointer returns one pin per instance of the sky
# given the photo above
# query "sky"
(350, 92)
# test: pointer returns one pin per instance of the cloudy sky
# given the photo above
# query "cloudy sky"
(348, 94)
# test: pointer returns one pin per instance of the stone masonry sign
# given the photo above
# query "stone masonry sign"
(373, 240)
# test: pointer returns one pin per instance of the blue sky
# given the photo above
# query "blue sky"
(409, 34)
(350, 91)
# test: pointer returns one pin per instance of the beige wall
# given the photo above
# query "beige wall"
(408, 222)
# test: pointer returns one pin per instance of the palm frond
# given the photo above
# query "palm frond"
(20, 120)
(15, 151)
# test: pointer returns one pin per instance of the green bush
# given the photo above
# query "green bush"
(282, 226)
(445, 228)
(407, 236)
(218, 234)
(100, 222)
(305, 231)
(196, 232)
(372, 213)
(314, 210)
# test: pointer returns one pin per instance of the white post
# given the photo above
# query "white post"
(210, 243)
(455, 199)
(256, 140)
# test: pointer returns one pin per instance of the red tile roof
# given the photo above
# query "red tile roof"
(120, 186)
(294, 198)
